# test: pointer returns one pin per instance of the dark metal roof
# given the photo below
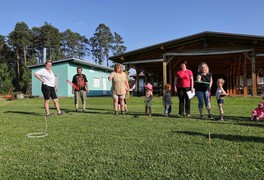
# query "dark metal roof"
(187, 39)
(220, 50)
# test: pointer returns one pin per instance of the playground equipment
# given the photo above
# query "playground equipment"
(9, 96)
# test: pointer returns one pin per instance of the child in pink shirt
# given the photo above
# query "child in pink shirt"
(258, 113)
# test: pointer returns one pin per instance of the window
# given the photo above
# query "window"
(96, 82)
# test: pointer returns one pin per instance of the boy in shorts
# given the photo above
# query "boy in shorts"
(220, 93)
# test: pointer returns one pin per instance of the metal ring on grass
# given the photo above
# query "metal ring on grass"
(37, 135)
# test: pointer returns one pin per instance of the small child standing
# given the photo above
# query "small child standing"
(258, 113)
(148, 99)
(220, 93)
(167, 100)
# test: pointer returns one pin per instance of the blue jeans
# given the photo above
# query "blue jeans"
(167, 109)
(203, 97)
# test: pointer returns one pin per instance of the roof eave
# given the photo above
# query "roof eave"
(119, 57)
(77, 61)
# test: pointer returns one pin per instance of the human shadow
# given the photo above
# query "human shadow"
(253, 124)
(87, 110)
(25, 112)
(226, 118)
(237, 118)
(139, 114)
(99, 109)
(238, 138)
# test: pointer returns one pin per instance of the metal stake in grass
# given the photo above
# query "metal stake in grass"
(209, 137)
(39, 134)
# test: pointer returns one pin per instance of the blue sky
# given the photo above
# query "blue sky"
(140, 22)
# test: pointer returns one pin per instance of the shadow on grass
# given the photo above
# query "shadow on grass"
(139, 114)
(87, 109)
(253, 124)
(226, 118)
(111, 112)
(238, 138)
(25, 112)
(237, 118)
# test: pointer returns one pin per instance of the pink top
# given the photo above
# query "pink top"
(184, 78)
(258, 112)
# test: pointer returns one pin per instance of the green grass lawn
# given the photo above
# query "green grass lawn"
(100, 145)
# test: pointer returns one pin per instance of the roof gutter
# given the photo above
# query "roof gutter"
(143, 61)
(207, 53)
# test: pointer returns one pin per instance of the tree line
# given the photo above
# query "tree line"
(24, 46)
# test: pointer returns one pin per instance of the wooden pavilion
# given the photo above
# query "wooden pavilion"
(235, 57)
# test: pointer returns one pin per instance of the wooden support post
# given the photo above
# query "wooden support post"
(228, 81)
(152, 79)
(170, 75)
(230, 77)
(126, 71)
(137, 80)
(245, 89)
(146, 77)
(253, 80)
(238, 76)
(234, 79)
(164, 73)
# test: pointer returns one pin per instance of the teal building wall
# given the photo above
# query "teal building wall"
(64, 70)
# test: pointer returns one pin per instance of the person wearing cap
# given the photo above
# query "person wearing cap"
(258, 113)
(119, 87)
(148, 99)
(182, 84)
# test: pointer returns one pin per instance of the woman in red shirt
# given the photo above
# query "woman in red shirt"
(184, 83)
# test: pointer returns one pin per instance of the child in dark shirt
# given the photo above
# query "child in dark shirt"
(167, 100)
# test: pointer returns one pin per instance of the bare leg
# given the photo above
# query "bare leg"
(115, 104)
(46, 106)
(150, 111)
(57, 106)
(122, 104)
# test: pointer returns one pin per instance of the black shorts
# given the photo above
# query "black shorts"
(48, 92)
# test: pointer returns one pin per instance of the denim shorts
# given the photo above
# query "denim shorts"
(220, 101)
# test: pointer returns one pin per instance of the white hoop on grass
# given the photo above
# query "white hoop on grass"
(39, 134)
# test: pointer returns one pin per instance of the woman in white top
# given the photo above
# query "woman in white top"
(47, 78)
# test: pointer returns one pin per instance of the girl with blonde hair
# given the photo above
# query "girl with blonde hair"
(203, 86)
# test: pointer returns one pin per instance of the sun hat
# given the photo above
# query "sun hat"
(261, 104)
(148, 86)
